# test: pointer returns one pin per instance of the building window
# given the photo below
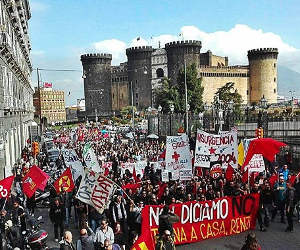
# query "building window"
(274, 65)
(274, 79)
(274, 91)
(247, 92)
(159, 73)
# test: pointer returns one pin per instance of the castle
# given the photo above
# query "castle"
(108, 88)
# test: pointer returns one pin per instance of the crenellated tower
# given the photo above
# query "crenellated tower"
(263, 74)
(139, 76)
(180, 51)
(97, 84)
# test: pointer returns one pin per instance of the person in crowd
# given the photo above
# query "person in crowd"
(280, 193)
(290, 206)
(120, 238)
(118, 212)
(102, 233)
(66, 243)
(86, 239)
(267, 201)
(94, 217)
(57, 215)
(18, 215)
(251, 243)
(166, 220)
(284, 171)
(165, 242)
(110, 246)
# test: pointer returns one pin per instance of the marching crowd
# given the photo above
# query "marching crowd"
(119, 226)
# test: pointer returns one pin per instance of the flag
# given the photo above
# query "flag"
(134, 175)
(215, 169)
(162, 155)
(138, 38)
(96, 190)
(33, 180)
(229, 173)
(6, 184)
(273, 179)
(241, 155)
(106, 172)
(64, 182)
(245, 176)
(161, 190)
(268, 147)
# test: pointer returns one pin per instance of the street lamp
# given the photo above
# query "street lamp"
(201, 119)
(262, 116)
(159, 109)
(172, 110)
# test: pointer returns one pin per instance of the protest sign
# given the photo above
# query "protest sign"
(221, 147)
(202, 220)
(256, 164)
(90, 158)
(96, 190)
(178, 157)
(72, 162)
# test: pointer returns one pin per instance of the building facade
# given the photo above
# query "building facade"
(50, 104)
(16, 104)
(146, 67)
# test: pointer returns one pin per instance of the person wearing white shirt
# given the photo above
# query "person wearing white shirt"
(103, 232)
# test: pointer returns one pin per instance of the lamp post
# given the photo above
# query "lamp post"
(172, 110)
(262, 121)
(201, 120)
(229, 114)
(149, 109)
(206, 123)
(159, 109)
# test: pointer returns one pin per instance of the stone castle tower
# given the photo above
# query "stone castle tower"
(108, 89)
(139, 75)
(180, 52)
(263, 74)
(97, 84)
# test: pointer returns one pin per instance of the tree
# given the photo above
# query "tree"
(125, 111)
(194, 89)
(228, 93)
(167, 95)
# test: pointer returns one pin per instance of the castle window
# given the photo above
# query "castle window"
(274, 79)
(136, 95)
(159, 73)
(274, 91)
(247, 92)
(274, 65)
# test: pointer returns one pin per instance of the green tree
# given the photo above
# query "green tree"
(167, 95)
(127, 110)
(229, 93)
(194, 89)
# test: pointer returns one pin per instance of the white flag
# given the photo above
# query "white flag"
(96, 190)
(90, 158)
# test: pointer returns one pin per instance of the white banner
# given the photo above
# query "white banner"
(221, 147)
(165, 176)
(96, 190)
(72, 161)
(90, 158)
(256, 164)
(178, 157)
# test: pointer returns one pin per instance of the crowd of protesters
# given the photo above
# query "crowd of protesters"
(119, 226)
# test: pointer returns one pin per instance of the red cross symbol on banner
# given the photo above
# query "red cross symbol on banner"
(175, 156)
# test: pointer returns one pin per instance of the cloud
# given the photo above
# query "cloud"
(233, 43)
(37, 6)
(37, 52)
(113, 46)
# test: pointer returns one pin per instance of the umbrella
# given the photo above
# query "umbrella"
(152, 136)
(268, 147)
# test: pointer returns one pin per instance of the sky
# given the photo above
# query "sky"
(62, 30)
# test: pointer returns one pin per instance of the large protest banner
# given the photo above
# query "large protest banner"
(90, 158)
(221, 147)
(178, 157)
(72, 162)
(96, 190)
(202, 220)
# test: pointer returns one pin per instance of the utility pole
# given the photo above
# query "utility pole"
(40, 101)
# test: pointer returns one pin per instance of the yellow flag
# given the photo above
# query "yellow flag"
(241, 154)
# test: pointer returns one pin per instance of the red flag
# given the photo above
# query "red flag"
(134, 175)
(268, 147)
(245, 176)
(162, 155)
(65, 182)
(106, 172)
(132, 186)
(273, 179)
(199, 171)
(5, 186)
(161, 190)
(229, 173)
(33, 180)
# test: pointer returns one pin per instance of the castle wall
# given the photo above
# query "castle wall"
(216, 77)
(119, 89)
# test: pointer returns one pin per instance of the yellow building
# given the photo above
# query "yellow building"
(52, 103)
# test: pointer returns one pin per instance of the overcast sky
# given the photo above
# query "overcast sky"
(62, 30)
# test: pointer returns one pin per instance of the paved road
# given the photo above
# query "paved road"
(275, 238)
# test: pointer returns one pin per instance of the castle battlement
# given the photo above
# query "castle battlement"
(183, 43)
(96, 56)
(139, 49)
(263, 53)
(224, 67)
